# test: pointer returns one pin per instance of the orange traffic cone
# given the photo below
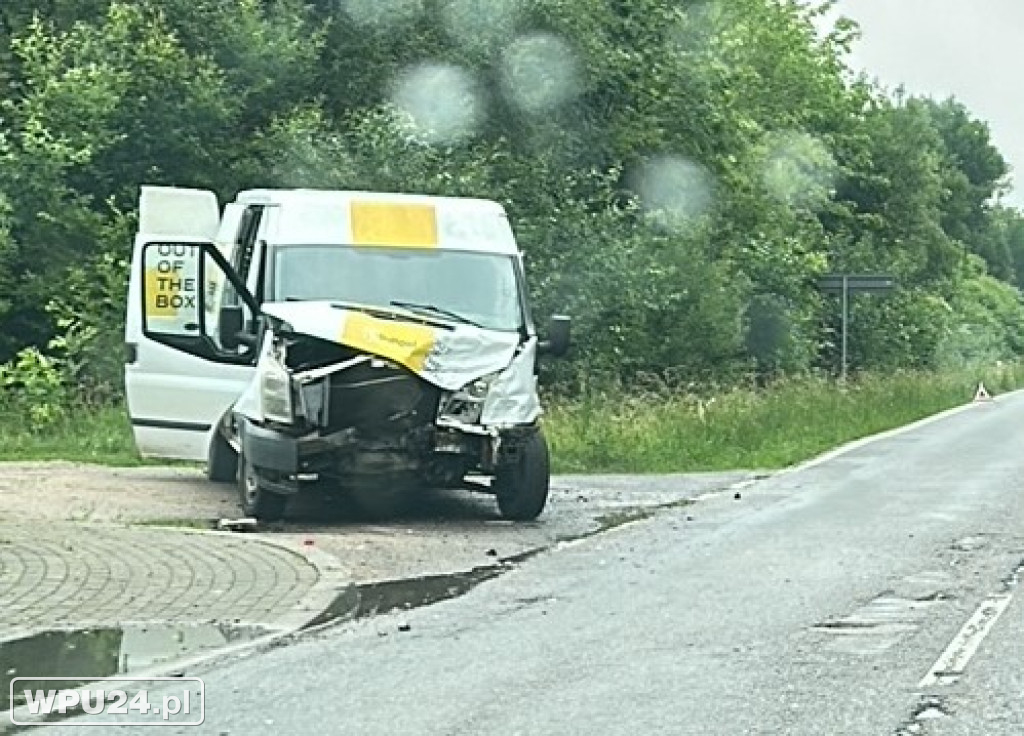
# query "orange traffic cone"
(981, 394)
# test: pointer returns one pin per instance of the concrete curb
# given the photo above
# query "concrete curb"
(74, 575)
(330, 576)
(330, 583)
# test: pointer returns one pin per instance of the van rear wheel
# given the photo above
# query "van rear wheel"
(257, 500)
(522, 485)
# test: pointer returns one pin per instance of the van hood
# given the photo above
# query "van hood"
(447, 354)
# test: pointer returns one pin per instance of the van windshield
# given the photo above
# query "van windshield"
(478, 288)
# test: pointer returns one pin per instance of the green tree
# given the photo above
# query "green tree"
(115, 95)
(678, 173)
(975, 174)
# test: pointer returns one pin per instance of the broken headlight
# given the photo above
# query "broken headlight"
(276, 388)
(467, 404)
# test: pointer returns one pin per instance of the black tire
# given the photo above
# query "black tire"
(256, 500)
(522, 486)
(222, 462)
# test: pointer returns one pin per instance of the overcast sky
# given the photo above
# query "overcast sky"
(972, 49)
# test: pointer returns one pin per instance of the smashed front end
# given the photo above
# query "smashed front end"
(361, 420)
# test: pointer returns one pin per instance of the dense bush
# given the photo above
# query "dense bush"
(679, 173)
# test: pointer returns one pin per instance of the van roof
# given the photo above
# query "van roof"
(323, 217)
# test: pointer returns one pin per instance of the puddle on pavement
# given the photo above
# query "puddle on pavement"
(89, 654)
(622, 517)
(370, 599)
(629, 514)
(363, 600)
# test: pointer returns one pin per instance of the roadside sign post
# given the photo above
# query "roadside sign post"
(846, 313)
(844, 284)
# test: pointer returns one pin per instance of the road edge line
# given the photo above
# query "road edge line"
(883, 435)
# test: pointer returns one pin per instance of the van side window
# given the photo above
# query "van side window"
(241, 261)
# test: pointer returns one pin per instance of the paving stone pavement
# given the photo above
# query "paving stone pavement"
(77, 575)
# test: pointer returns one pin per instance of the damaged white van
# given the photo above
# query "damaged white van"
(375, 343)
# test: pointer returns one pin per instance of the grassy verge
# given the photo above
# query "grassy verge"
(658, 433)
(771, 428)
(101, 436)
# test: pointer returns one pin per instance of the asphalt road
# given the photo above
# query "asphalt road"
(817, 603)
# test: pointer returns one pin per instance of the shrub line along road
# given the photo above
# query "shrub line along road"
(826, 600)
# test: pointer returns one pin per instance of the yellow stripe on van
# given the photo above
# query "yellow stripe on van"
(391, 224)
(401, 342)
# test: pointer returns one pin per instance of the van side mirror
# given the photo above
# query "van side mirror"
(229, 325)
(558, 340)
(231, 329)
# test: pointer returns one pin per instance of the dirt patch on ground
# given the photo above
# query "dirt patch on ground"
(63, 491)
(442, 532)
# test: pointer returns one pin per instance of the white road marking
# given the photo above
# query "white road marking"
(952, 663)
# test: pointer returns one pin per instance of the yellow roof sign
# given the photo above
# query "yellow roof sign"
(391, 224)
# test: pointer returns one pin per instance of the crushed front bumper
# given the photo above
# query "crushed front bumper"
(346, 454)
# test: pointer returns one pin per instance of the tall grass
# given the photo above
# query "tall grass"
(652, 432)
(740, 428)
(87, 435)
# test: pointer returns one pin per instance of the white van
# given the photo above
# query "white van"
(374, 342)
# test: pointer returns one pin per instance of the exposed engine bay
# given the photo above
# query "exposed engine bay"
(365, 421)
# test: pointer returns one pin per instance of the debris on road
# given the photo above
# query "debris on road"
(245, 524)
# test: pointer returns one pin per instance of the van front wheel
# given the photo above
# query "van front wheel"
(257, 500)
(522, 485)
